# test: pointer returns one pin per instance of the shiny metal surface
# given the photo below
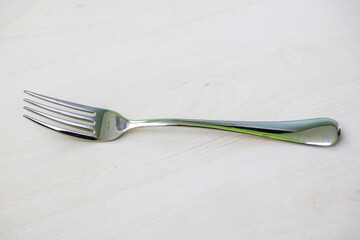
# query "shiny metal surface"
(98, 124)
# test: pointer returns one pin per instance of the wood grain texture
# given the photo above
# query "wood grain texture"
(229, 59)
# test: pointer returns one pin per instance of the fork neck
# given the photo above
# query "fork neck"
(158, 122)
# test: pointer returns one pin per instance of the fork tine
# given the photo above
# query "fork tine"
(62, 102)
(60, 111)
(61, 120)
(62, 130)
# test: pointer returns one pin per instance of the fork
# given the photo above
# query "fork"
(98, 124)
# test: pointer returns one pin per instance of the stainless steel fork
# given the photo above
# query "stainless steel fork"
(98, 124)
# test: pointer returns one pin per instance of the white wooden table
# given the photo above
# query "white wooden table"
(228, 59)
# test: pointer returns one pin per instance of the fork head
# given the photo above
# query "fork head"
(94, 124)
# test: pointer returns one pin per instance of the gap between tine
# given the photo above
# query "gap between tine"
(61, 120)
(60, 111)
(62, 130)
(72, 105)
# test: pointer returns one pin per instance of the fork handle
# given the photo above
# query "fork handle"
(317, 131)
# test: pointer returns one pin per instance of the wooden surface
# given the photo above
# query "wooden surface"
(228, 59)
